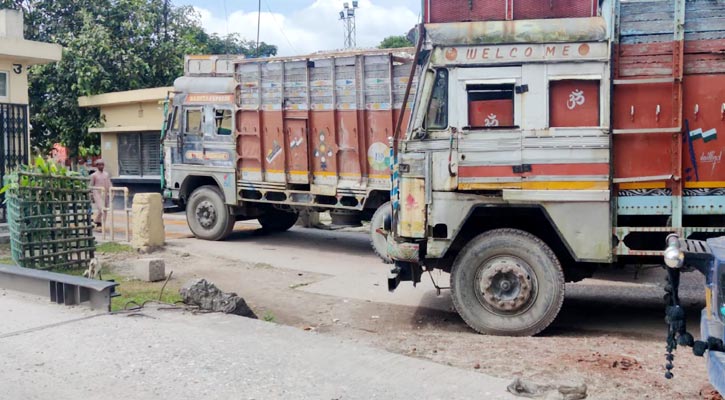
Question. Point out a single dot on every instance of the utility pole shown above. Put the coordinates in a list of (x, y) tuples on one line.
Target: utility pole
[(347, 16), (259, 18)]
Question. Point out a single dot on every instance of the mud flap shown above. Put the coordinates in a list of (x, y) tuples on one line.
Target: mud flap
[(404, 272)]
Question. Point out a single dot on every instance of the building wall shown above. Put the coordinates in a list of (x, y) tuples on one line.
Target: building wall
[(17, 83), (109, 152), (150, 114), (131, 117)]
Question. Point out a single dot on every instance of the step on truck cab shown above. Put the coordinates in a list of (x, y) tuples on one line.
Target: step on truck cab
[(549, 139), (270, 138)]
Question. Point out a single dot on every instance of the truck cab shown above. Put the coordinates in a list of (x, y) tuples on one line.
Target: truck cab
[(543, 146)]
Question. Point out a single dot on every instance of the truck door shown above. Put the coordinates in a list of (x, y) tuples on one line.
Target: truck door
[(192, 135), (219, 143), (489, 117)]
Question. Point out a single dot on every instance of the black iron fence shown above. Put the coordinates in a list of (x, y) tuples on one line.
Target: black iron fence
[(14, 142)]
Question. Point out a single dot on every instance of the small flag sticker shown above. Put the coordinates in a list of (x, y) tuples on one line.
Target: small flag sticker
[(696, 134), (709, 135)]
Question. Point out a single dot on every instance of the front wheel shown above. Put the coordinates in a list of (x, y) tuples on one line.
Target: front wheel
[(207, 215), (276, 220), (378, 240), (507, 282)]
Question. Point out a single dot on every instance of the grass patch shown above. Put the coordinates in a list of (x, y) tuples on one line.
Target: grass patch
[(6, 254), (113, 248), (133, 290), (268, 316), (139, 291)]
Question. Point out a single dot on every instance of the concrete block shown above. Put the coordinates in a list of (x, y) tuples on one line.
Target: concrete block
[(150, 269), (147, 221)]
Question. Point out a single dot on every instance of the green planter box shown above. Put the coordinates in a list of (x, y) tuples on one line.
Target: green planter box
[(49, 217)]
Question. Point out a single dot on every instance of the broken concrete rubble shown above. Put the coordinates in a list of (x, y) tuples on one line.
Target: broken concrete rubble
[(207, 296)]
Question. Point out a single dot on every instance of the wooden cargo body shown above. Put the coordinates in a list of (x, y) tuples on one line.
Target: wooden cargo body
[(315, 130)]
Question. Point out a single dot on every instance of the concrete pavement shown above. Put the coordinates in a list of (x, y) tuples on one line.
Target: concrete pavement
[(50, 351)]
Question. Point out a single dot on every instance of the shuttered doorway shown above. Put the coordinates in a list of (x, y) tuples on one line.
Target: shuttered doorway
[(139, 154)]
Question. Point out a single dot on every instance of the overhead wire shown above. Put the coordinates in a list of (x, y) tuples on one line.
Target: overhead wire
[(266, 3)]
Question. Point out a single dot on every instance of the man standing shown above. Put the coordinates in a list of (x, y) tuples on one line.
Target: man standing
[(101, 184)]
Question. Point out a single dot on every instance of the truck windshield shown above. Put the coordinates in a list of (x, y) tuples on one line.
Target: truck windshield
[(437, 116)]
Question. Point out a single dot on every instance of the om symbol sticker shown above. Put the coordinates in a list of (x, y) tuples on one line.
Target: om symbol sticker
[(576, 98), (491, 120)]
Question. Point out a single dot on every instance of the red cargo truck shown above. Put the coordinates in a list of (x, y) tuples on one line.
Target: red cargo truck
[(552, 138), (269, 138)]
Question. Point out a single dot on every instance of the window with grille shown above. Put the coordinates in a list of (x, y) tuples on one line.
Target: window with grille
[(139, 154), (3, 84)]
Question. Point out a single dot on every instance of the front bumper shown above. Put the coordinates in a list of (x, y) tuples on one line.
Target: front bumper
[(403, 251), (407, 262)]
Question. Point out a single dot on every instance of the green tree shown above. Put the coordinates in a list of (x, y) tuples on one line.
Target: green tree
[(109, 45), (394, 42)]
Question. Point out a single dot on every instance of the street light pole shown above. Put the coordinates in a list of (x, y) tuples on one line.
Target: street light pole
[(347, 16)]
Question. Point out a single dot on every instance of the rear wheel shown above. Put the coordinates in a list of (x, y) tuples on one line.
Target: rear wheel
[(507, 282), (379, 241), (207, 215), (276, 220)]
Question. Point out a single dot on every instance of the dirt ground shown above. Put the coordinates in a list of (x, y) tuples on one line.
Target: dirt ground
[(620, 357)]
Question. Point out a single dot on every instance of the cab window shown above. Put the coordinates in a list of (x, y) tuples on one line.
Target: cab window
[(175, 120), (490, 106), (223, 121), (193, 121), (437, 116)]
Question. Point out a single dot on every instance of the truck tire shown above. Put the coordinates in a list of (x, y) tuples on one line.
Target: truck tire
[(207, 215), (507, 282), (378, 241), (277, 220)]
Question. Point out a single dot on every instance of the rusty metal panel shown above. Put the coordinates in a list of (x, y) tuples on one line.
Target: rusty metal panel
[(249, 145), (574, 103), (465, 10), (529, 31), (499, 10), (704, 109), (297, 163), (323, 148), (538, 9), (412, 215)]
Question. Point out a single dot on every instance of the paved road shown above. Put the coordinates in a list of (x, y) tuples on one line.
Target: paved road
[(615, 302), (51, 351)]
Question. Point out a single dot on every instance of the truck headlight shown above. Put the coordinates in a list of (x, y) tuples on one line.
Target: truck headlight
[(674, 257)]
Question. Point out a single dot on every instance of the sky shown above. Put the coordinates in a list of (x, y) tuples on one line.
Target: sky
[(306, 26)]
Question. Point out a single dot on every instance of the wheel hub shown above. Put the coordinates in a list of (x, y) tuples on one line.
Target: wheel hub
[(206, 214), (504, 284)]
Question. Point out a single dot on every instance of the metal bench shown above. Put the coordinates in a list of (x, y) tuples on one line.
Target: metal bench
[(61, 288)]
